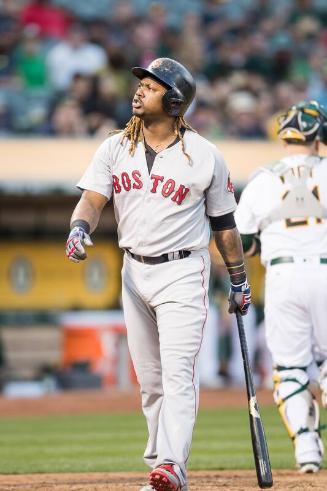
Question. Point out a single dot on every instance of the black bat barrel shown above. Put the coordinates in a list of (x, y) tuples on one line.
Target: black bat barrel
[(259, 442)]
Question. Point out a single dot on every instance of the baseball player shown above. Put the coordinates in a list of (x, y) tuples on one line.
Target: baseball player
[(286, 205), (168, 184)]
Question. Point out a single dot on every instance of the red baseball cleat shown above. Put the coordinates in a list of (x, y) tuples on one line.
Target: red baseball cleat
[(164, 478)]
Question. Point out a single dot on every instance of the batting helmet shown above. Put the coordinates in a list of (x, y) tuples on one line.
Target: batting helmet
[(176, 78), (304, 122)]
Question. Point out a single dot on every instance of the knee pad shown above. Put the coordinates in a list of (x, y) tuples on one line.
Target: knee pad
[(296, 404)]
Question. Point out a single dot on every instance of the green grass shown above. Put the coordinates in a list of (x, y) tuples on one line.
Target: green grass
[(114, 442)]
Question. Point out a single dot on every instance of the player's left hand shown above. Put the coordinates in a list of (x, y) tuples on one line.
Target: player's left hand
[(239, 298)]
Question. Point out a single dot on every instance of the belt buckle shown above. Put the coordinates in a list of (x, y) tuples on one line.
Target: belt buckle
[(142, 259), (307, 259)]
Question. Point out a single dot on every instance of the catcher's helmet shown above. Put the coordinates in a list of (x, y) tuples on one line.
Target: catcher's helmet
[(176, 78), (304, 122)]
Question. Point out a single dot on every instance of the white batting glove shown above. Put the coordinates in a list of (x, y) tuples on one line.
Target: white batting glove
[(75, 245)]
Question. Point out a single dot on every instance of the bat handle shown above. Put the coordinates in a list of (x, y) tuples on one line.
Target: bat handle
[(245, 355)]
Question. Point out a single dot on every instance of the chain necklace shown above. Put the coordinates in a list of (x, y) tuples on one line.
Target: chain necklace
[(162, 145)]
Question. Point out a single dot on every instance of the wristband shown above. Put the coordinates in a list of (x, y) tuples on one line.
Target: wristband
[(81, 224), (236, 272), (240, 287)]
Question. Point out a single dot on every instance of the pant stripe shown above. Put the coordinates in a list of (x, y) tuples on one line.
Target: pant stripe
[(202, 331)]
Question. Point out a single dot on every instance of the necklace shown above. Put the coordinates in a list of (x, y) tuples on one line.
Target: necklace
[(162, 145)]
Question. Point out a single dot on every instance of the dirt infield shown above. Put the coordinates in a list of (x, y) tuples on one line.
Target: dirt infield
[(198, 481), (112, 400)]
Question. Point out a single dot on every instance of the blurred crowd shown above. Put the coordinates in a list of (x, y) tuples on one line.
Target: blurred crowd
[(65, 64)]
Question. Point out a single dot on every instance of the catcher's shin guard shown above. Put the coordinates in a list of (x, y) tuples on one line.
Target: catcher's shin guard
[(323, 383), (299, 411)]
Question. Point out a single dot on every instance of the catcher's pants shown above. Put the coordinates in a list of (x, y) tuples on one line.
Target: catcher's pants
[(165, 309), (296, 312)]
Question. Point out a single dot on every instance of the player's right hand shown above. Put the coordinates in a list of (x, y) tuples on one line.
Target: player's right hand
[(75, 245)]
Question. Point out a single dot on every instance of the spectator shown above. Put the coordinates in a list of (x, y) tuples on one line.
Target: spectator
[(303, 8), (204, 119), (5, 117), (97, 100), (87, 10), (244, 121), (9, 39), (257, 60), (30, 61), (74, 55), (82, 91), (109, 103), (317, 88), (67, 120), (145, 40), (191, 49), (52, 21), (158, 17), (119, 71), (169, 42)]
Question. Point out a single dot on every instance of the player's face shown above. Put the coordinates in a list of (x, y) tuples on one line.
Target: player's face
[(147, 100)]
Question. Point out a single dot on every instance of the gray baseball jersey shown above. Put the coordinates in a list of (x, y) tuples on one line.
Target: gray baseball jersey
[(167, 210)]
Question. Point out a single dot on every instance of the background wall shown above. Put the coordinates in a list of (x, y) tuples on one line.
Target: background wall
[(45, 164)]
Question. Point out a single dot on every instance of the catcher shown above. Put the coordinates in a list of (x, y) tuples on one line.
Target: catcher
[(284, 207)]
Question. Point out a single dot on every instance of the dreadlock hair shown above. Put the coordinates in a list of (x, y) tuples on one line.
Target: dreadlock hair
[(133, 132)]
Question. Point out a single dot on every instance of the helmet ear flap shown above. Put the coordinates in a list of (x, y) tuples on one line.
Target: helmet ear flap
[(172, 102)]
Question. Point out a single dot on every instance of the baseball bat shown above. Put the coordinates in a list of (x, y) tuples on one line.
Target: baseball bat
[(259, 442)]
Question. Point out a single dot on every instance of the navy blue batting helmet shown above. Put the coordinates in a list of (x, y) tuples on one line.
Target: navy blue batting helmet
[(176, 78)]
